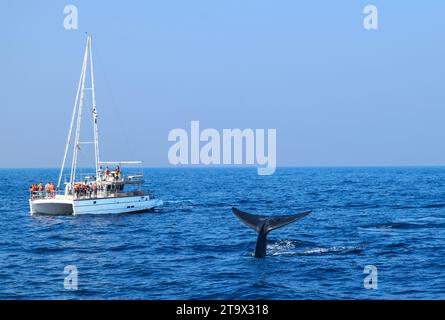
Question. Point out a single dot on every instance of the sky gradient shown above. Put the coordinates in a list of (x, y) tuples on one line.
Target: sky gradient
[(337, 94)]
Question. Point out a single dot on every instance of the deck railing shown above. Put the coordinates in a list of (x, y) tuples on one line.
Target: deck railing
[(45, 194), (111, 177), (106, 187), (36, 195)]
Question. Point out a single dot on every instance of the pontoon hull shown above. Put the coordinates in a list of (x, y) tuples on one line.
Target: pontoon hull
[(51, 207)]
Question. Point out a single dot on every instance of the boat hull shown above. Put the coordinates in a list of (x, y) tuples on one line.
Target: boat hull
[(96, 206), (51, 207), (115, 205)]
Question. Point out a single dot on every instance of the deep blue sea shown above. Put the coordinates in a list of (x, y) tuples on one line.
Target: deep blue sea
[(195, 248)]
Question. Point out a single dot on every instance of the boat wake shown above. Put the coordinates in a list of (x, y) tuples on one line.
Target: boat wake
[(178, 201), (425, 223), (303, 248)]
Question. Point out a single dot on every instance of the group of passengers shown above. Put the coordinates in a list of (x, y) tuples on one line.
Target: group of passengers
[(84, 190), (80, 190), (104, 174), (36, 190)]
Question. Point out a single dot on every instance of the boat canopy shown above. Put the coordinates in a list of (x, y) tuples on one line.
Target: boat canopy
[(119, 162)]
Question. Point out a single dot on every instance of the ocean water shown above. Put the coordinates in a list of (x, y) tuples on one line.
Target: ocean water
[(195, 248)]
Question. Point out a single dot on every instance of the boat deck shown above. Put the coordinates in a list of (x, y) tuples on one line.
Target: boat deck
[(92, 196)]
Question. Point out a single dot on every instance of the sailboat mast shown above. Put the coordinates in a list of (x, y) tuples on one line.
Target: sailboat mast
[(78, 108), (79, 115), (93, 96), (73, 116)]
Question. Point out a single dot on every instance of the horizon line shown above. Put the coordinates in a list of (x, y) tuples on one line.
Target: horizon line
[(200, 166)]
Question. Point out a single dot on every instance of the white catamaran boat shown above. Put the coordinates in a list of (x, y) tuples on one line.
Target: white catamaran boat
[(103, 192)]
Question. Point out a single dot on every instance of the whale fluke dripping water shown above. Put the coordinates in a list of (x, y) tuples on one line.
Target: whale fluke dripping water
[(264, 224)]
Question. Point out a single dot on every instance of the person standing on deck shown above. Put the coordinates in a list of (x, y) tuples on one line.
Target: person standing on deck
[(40, 188), (53, 190), (94, 190), (48, 190), (76, 191), (118, 172), (32, 190), (99, 173)]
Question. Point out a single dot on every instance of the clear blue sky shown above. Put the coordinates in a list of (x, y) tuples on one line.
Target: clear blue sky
[(336, 93)]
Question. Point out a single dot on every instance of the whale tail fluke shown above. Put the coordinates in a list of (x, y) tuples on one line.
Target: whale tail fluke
[(264, 224)]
